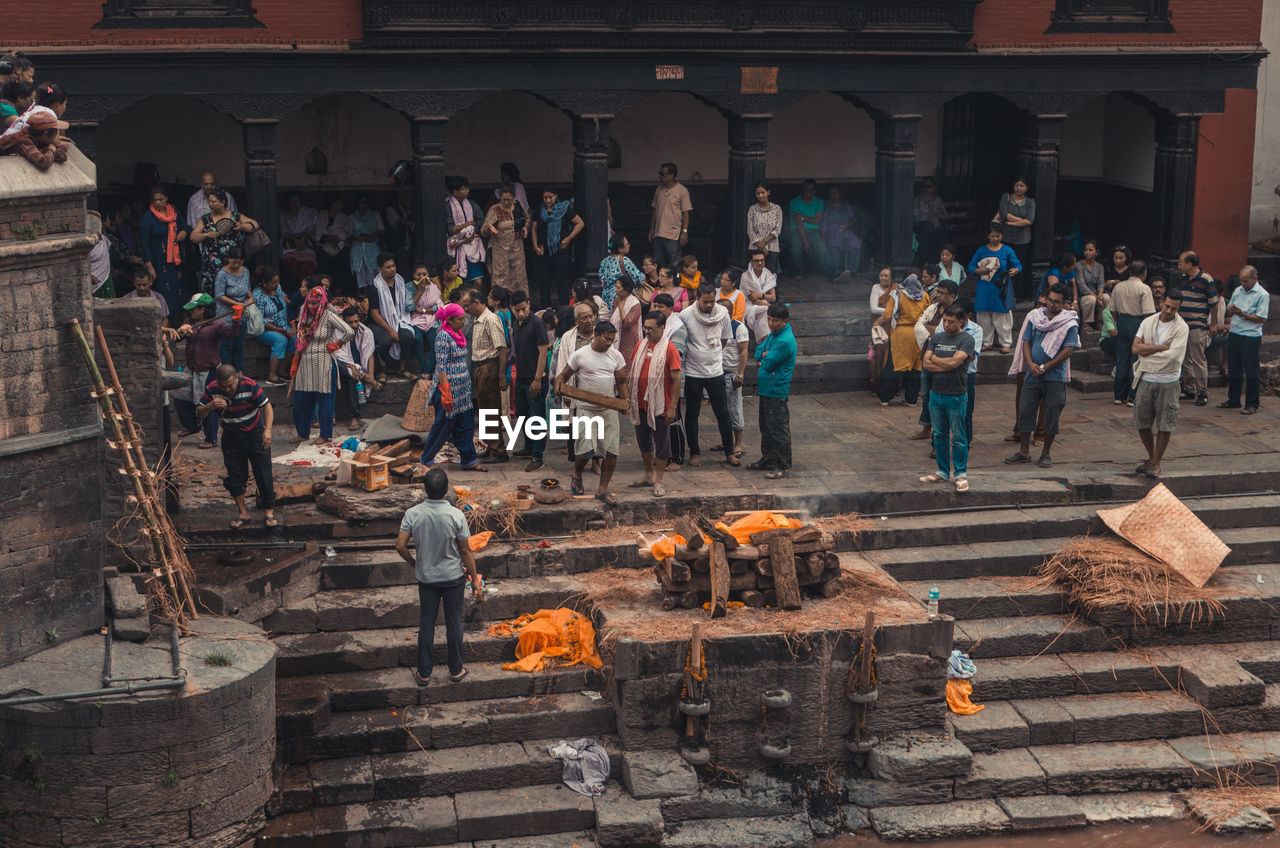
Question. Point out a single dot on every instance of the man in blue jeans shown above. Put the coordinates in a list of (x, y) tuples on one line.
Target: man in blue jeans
[(442, 539), (946, 357), (1248, 310)]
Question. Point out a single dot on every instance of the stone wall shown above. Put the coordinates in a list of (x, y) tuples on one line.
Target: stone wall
[(50, 454), (812, 667), (132, 330), (154, 770)]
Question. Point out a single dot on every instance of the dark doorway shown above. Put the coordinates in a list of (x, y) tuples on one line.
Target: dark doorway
[(979, 156)]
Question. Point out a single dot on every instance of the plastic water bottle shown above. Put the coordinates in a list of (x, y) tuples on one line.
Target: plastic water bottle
[(933, 602), (361, 397)]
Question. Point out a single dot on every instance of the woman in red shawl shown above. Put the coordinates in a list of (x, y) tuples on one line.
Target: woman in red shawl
[(163, 230)]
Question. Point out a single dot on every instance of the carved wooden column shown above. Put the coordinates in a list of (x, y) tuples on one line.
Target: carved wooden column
[(1038, 146), (748, 144), (261, 202), (895, 187), (429, 189), (1174, 189), (591, 188)]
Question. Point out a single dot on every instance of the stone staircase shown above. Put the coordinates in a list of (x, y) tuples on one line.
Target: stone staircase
[(1081, 706), (371, 758)]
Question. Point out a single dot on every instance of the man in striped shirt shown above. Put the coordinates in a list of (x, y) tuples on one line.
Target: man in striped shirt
[(1199, 299), (246, 438)]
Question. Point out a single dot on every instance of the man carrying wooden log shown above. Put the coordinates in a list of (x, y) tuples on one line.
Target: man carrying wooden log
[(601, 370)]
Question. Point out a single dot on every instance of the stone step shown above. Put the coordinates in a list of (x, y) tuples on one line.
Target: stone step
[(453, 724), (1015, 524), (990, 597), (330, 653), (395, 687), (345, 610), (425, 774), (1030, 636), (489, 814), (772, 832), (822, 373)]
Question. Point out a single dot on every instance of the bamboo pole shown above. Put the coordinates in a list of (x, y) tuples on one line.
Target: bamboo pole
[(153, 529)]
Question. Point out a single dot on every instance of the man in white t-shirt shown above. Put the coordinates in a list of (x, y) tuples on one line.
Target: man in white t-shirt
[(599, 368), (1160, 346), (709, 329), (735, 366), (760, 285)]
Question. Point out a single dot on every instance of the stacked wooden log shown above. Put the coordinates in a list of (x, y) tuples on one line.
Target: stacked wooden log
[(771, 571)]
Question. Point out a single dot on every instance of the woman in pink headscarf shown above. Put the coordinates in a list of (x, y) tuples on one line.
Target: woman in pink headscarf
[(315, 375), (451, 393)]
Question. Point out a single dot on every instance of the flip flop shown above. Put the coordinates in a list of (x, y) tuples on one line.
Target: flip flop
[(659, 490), (608, 499), (695, 461), (420, 680), (1142, 469), (639, 484), (458, 677), (207, 445), (476, 467), (733, 460), (776, 474), (238, 523), (272, 522), (575, 486), (962, 484), (933, 478), (1249, 410)]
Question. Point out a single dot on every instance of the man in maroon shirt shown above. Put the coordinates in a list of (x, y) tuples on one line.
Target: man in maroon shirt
[(203, 340)]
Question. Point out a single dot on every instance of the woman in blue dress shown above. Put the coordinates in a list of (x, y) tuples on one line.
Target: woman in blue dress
[(993, 300)]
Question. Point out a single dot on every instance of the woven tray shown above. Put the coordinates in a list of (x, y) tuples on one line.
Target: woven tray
[(1161, 526)]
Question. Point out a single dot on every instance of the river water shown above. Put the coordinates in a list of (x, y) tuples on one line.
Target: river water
[(1165, 834)]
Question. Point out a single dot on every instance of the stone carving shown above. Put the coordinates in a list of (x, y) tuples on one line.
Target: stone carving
[(255, 106), (439, 103)]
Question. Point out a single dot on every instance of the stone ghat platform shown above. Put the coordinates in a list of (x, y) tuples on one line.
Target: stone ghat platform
[(1080, 713)]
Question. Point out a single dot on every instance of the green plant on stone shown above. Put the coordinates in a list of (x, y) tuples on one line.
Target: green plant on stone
[(28, 232), (171, 779), (32, 755), (217, 659), (51, 634)]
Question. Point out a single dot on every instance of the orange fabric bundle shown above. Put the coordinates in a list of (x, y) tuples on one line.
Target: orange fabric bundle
[(959, 691), (757, 522), (666, 546), (479, 540), (550, 634)]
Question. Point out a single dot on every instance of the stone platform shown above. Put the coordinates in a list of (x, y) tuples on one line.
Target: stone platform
[(190, 767)]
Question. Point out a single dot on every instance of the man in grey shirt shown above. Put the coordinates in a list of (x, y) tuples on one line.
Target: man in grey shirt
[(442, 541)]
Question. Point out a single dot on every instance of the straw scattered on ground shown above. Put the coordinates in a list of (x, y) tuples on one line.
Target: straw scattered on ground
[(1215, 806), (845, 522), (503, 518), (1102, 574)]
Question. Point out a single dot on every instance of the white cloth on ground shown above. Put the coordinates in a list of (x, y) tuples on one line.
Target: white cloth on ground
[(586, 765)]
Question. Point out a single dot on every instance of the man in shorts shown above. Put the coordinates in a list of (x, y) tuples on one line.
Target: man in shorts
[(1160, 346), (600, 368), (1049, 337)]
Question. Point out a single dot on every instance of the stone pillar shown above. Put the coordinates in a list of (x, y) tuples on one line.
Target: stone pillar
[(84, 134), (1038, 146), (260, 202), (429, 189), (1174, 189), (591, 188), (895, 186), (748, 142)]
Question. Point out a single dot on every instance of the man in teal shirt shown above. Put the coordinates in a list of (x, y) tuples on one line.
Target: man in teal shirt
[(776, 356), (807, 251)]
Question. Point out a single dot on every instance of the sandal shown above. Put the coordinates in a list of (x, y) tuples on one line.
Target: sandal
[(639, 484), (576, 487), (1226, 404), (208, 445), (933, 478), (732, 459), (458, 677), (659, 490), (238, 523), (758, 465), (1249, 410), (272, 522), (608, 499), (1142, 469), (962, 484), (695, 461), (420, 680), (776, 474)]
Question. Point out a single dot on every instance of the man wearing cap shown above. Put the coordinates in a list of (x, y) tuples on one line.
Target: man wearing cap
[(40, 142), (203, 340), (246, 438)]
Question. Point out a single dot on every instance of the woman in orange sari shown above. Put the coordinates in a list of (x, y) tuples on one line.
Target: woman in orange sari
[(906, 304)]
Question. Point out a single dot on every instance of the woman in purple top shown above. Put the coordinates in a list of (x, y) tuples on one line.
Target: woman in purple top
[(843, 244)]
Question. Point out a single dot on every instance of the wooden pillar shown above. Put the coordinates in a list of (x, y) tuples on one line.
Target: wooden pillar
[(1174, 190), (1038, 146), (591, 189), (429, 189), (895, 187), (261, 202), (748, 143)]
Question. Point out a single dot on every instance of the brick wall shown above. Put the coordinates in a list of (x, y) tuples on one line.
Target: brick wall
[(132, 329), (50, 450), (1022, 23), (285, 22)]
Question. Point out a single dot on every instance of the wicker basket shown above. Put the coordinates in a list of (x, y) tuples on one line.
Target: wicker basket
[(418, 413)]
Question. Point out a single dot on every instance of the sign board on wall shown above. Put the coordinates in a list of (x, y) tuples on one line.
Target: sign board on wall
[(759, 81), (669, 72)]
